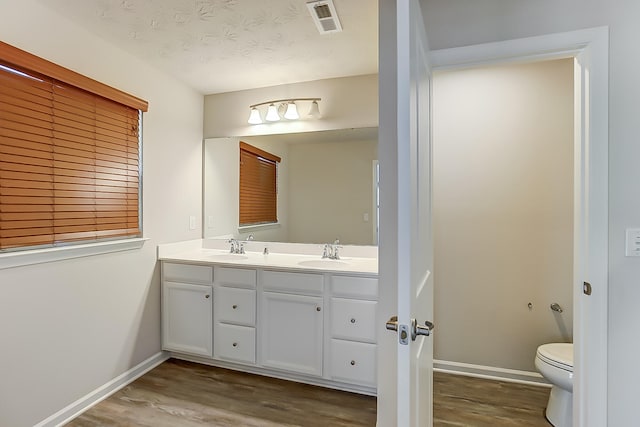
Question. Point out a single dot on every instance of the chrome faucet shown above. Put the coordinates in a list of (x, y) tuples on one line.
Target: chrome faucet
[(331, 250), (236, 247)]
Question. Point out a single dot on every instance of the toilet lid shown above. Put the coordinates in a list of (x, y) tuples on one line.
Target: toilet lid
[(557, 354)]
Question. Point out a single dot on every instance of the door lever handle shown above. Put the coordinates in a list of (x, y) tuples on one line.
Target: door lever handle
[(418, 329), (392, 323)]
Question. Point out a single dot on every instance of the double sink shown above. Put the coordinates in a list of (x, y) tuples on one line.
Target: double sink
[(283, 260)]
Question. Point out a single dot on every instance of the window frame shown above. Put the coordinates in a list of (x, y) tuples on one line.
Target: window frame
[(15, 58)]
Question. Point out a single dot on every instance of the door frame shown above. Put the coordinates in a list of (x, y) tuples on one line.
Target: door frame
[(589, 48)]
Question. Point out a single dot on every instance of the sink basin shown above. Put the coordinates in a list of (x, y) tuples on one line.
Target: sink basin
[(323, 263), (228, 257)]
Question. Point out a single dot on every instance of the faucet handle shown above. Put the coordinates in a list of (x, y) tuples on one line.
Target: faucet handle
[(326, 252), (240, 247)]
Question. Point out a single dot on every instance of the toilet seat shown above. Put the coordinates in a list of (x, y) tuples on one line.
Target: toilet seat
[(559, 355)]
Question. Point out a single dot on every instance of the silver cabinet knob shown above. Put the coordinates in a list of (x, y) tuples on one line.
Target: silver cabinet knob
[(235, 344), (234, 306), (353, 320), (318, 309), (207, 296), (353, 363)]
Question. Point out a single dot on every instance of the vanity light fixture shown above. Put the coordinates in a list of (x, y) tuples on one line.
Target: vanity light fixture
[(277, 107), (272, 113), (292, 111), (254, 117)]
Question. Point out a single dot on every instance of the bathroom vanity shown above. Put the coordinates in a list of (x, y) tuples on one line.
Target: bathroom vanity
[(287, 314)]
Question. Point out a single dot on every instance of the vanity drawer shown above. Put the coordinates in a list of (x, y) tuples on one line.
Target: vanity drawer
[(234, 343), (293, 283), (353, 319), (187, 273), (353, 362), (235, 276), (235, 305), (354, 287)]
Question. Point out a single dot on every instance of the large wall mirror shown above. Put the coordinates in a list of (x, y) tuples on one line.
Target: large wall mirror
[(327, 187)]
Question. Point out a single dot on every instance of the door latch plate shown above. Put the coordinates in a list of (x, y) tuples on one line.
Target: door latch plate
[(403, 334)]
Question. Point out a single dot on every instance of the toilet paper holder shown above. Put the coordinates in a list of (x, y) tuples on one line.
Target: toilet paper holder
[(556, 307)]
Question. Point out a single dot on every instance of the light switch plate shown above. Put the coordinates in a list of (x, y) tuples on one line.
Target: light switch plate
[(632, 244)]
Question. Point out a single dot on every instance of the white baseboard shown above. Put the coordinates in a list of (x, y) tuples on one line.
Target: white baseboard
[(490, 372), (76, 408)]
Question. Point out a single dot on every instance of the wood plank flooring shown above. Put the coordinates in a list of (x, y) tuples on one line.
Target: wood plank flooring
[(179, 393)]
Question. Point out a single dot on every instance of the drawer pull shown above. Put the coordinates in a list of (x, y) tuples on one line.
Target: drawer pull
[(235, 306), (353, 320), (353, 363), (207, 296), (235, 344), (318, 308)]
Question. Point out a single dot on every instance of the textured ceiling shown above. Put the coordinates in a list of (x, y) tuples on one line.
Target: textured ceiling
[(225, 45)]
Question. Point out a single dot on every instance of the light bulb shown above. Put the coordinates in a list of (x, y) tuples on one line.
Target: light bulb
[(272, 114), (292, 111), (314, 111), (254, 117)]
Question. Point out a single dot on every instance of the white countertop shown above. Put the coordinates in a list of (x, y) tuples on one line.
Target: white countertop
[(192, 252)]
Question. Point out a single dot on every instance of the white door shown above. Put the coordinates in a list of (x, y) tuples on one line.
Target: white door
[(410, 264)]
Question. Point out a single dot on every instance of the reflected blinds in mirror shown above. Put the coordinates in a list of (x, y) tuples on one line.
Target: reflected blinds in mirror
[(69, 166), (258, 186)]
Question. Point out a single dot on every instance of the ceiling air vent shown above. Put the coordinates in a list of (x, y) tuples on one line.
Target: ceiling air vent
[(325, 16)]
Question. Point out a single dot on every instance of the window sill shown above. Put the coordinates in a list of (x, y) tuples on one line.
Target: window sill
[(39, 256), (258, 227)]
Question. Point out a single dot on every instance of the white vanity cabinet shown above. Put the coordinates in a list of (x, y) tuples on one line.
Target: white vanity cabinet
[(187, 308), (235, 315), (308, 325), (353, 330), (292, 322)]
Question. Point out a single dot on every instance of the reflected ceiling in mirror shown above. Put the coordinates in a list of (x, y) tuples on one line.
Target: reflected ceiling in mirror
[(327, 187)]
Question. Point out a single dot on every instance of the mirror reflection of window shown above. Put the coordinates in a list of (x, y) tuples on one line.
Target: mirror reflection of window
[(326, 187), (258, 186)]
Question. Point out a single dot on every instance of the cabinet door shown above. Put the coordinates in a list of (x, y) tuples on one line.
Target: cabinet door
[(187, 318), (291, 332)]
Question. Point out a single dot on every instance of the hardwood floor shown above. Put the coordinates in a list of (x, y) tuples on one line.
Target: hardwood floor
[(179, 393), (466, 401)]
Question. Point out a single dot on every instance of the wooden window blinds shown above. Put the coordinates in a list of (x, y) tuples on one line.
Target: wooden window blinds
[(69, 156), (258, 186)]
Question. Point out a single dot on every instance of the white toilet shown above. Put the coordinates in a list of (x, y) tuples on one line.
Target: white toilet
[(555, 363)]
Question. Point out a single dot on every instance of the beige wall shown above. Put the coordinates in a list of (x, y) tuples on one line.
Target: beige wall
[(503, 211), (347, 102), (69, 327), (460, 23), (332, 184)]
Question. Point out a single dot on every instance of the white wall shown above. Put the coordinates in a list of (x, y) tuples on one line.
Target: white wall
[(503, 211), (347, 102), (460, 23), (68, 327), (330, 191)]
